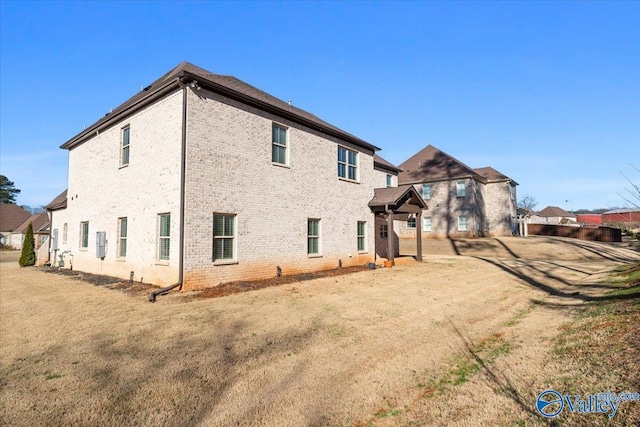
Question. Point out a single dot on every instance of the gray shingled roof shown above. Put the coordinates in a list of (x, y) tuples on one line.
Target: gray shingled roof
[(226, 85), (395, 195), (385, 164), (39, 221)]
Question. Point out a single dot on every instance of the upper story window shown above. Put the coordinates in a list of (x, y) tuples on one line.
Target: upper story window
[(347, 164), (279, 145), (125, 141), (461, 189), (389, 181), (426, 191)]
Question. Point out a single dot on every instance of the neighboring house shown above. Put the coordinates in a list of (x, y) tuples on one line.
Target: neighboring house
[(202, 179), (555, 216), (40, 224), (622, 216), (11, 217), (462, 202)]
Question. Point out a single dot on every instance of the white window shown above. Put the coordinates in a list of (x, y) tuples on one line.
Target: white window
[(362, 240), (426, 223), (84, 234), (124, 146), (313, 236), (462, 223), (384, 231), (64, 233), (224, 237), (411, 223), (389, 182), (164, 236), (279, 146), (122, 237), (347, 164), (461, 189), (426, 191)]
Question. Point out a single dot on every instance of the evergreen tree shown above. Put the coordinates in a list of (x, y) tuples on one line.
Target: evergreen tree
[(8, 191), (28, 256)]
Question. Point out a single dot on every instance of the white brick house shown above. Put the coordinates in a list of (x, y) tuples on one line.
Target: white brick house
[(202, 179), (462, 202)]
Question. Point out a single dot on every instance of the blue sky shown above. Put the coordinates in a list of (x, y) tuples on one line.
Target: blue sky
[(548, 93)]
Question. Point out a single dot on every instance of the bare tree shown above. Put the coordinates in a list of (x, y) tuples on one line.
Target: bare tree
[(633, 198), (527, 202)]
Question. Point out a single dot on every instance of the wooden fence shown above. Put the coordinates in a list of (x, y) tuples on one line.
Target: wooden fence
[(600, 234)]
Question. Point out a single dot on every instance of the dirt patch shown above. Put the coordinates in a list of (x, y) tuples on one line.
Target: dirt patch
[(231, 288), (108, 282)]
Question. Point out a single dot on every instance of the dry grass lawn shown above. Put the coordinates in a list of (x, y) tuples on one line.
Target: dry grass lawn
[(460, 339)]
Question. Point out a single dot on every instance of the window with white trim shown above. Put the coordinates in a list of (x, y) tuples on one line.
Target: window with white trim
[(426, 191), (389, 180), (411, 222), (462, 223), (426, 223), (84, 234), (125, 141), (461, 188), (362, 236), (122, 238), (224, 237), (164, 236), (279, 144), (347, 164), (313, 236)]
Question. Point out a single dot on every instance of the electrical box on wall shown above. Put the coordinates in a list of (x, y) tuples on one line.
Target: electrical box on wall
[(54, 239), (101, 244)]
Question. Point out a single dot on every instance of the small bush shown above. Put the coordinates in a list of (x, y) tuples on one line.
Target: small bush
[(28, 256)]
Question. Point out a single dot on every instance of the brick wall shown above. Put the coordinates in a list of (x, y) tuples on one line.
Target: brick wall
[(229, 170), (500, 208), (100, 191)]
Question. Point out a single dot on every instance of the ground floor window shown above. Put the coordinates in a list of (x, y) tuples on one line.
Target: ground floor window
[(411, 223), (426, 223), (84, 234), (462, 223), (122, 237), (164, 236), (224, 237), (313, 236), (362, 241)]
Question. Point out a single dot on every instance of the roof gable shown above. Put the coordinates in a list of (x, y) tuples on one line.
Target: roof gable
[(395, 197), (11, 216), (432, 164), (39, 221), (554, 211), (60, 202), (492, 175)]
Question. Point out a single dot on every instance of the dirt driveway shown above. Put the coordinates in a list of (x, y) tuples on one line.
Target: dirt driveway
[(360, 349)]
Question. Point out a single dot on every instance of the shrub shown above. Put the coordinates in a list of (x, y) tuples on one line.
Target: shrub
[(28, 256)]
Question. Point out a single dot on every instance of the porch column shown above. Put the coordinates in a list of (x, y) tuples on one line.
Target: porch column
[(391, 250), (419, 236)]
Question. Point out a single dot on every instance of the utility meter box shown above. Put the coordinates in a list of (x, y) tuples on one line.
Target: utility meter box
[(54, 240), (101, 244)]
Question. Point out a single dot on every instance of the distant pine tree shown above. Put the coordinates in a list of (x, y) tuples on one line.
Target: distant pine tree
[(28, 256)]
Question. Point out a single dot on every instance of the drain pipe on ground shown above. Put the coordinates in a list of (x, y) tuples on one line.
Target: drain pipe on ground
[(182, 82)]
